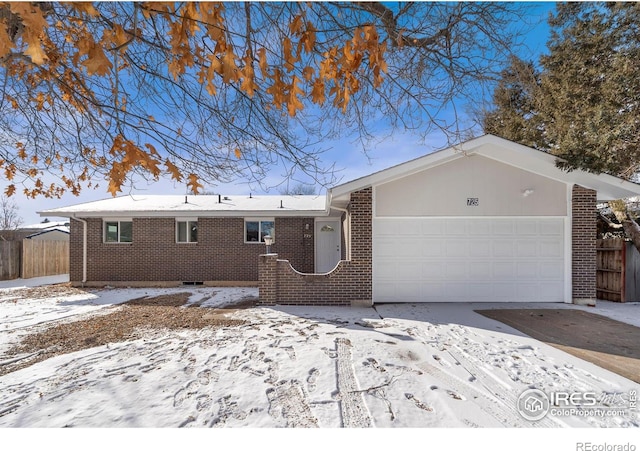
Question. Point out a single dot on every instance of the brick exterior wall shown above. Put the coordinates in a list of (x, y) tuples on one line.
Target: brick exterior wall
[(584, 234), (154, 256), (349, 284)]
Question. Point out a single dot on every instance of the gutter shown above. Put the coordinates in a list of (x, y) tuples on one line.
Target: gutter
[(84, 248)]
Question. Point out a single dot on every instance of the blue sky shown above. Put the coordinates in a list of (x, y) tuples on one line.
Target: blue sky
[(349, 159)]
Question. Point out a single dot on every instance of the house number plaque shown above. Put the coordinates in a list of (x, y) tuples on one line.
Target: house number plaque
[(473, 201)]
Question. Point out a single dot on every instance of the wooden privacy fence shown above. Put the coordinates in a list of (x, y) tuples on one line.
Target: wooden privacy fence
[(618, 263), (10, 252), (33, 258), (44, 258)]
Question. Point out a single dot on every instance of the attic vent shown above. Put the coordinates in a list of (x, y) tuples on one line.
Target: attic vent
[(226, 198), (192, 283)]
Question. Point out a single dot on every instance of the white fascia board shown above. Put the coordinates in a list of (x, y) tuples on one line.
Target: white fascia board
[(396, 172), (182, 214)]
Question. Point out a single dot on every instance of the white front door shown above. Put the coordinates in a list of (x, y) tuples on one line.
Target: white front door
[(328, 250)]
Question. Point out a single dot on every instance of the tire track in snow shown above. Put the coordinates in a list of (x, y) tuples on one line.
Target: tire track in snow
[(352, 406), (502, 394)]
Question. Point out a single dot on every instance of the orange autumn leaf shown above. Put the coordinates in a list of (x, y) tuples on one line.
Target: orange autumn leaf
[(262, 61), (194, 183), (5, 41), (97, 62), (293, 101), (296, 24), (229, 72), (318, 92), (85, 7), (173, 170), (248, 84), (277, 89), (33, 30), (289, 58)]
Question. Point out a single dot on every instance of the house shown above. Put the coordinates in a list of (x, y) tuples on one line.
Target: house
[(51, 234), (40, 230), (486, 220), (171, 240)]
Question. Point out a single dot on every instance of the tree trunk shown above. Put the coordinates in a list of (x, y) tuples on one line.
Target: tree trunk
[(631, 228)]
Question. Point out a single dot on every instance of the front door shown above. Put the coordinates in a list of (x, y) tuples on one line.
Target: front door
[(328, 250)]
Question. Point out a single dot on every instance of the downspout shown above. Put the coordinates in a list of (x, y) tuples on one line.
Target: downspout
[(348, 237), (84, 249)]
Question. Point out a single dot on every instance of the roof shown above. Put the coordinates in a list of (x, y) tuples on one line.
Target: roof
[(526, 158), (55, 229), (46, 225), (194, 206)]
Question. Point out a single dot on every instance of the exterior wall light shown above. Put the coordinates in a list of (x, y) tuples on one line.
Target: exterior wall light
[(268, 240)]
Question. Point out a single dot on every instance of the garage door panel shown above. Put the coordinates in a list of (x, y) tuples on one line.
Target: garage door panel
[(503, 228), (550, 227), (455, 270), (481, 227), (551, 248), (527, 270), (502, 270), (431, 228), (480, 249), (551, 269), (455, 227), (431, 247), (432, 270), (406, 247), (406, 228), (479, 271), (527, 248), (385, 271), (505, 292), (526, 228), (468, 259), (457, 248), (503, 248)]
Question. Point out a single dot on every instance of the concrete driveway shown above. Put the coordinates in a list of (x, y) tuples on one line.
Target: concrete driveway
[(608, 343)]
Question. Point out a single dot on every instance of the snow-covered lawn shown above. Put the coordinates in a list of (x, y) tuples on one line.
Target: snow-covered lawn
[(405, 365)]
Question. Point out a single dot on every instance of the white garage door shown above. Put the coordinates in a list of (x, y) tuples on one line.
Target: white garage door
[(468, 259)]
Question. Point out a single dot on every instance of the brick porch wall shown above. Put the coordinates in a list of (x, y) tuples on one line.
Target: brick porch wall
[(349, 284), (219, 255), (584, 234)]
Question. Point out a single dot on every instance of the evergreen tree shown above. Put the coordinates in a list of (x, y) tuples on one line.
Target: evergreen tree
[(583, 104)]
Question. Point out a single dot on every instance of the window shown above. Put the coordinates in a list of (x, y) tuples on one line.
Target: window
[(187, 231), (256, 230), (118, 231)]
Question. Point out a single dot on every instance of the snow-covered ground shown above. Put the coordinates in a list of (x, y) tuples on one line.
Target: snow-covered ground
[(34, 282), (392, 366)]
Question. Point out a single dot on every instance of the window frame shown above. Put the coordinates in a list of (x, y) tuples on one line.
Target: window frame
[(187, 221), (118, 221), (259, 221)]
